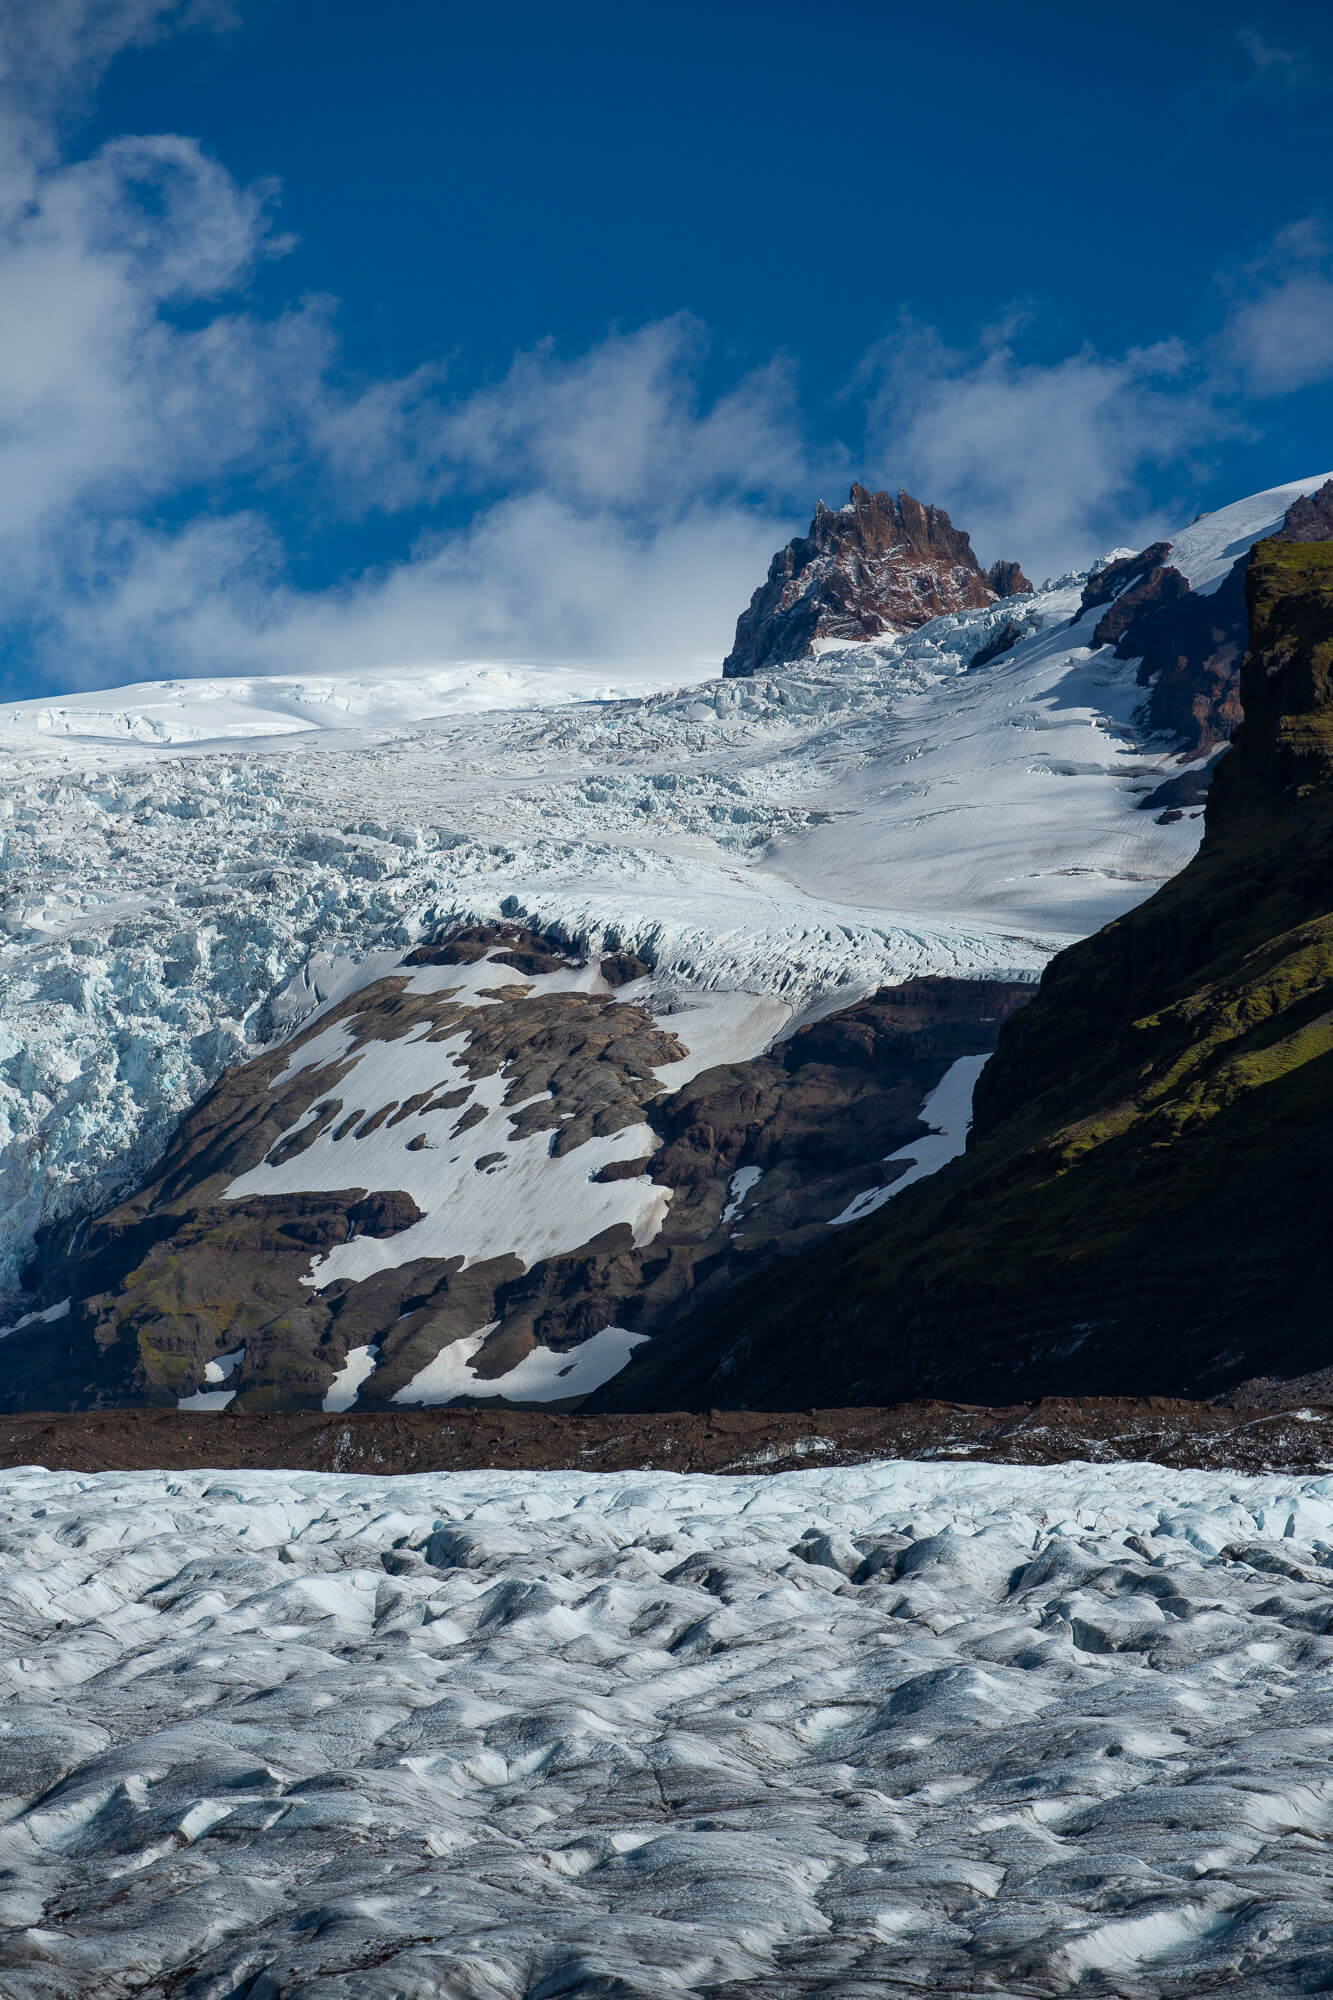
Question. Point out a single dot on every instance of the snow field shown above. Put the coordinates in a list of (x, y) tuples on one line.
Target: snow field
[(506, 1736), (451, 1161)]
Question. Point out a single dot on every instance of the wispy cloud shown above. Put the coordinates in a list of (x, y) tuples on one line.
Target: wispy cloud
[(1053, 461), (1044, 461), (1269, 58), (1279, 335)]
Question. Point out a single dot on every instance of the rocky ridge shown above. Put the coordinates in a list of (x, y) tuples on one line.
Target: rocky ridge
[(876, 566), (488, 1174)]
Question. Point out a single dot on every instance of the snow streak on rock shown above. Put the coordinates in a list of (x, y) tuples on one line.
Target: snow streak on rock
[(899, 1728)]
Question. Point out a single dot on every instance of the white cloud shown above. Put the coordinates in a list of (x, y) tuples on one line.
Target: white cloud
[(1279, 336), (59, 48), (615, 504), (1043, 462), (622, 426), (1052, 462), (533, 577), (100, 395)]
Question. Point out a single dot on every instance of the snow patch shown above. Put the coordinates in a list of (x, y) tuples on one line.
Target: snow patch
[(46, 1318), (742, 1182), (484, 1192), (347, 1384), (544, 1375), (210, 1397), (948, 1111)]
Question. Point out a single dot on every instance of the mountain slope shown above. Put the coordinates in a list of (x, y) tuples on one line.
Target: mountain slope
[(491, 1173), (1141, 1196)]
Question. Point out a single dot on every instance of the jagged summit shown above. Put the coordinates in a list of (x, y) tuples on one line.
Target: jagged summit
[(877, 565)]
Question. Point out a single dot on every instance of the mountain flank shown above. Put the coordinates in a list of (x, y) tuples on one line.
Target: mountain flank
[(467, 1181), (1141, 1204)]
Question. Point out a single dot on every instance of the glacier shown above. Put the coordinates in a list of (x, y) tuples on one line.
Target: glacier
[(846, 1732), (189, 869)]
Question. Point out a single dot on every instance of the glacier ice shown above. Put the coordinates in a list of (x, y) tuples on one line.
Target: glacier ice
[(898, 1727)]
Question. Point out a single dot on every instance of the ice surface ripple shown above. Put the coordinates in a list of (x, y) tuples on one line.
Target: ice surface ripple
[(861, 1732)]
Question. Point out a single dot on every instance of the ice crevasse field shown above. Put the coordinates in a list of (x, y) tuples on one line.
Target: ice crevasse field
[(514, 1736)]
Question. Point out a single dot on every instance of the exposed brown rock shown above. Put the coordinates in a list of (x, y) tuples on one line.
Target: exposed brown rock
[(1114, 578), (622, 968), (1278, 1438), (179, 1274), (1006, 579), (876, 565), (1310, 519)]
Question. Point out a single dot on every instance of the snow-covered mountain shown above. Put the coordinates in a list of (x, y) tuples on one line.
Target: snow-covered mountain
[(195, 873)]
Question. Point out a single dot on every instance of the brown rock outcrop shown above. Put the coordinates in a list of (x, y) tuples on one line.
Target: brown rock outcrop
[(877, 565)]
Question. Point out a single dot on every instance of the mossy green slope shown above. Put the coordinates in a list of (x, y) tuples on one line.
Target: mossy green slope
[(1143, 1202)]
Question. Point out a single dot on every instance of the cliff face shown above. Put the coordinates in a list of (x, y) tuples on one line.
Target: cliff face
[(1142, 1200), (876, 565), (1189, 645)]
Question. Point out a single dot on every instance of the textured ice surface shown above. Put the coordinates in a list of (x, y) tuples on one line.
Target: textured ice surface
[(901, 1728), (179, 885)]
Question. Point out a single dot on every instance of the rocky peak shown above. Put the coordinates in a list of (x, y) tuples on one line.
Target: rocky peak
[(880, 564), (1310, 519)]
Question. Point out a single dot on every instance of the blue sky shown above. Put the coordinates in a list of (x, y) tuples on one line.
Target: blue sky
[(335, 335)]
